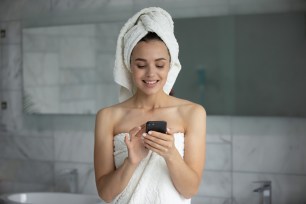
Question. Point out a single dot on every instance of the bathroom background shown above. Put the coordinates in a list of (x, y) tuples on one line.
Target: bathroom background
[(245, 142)]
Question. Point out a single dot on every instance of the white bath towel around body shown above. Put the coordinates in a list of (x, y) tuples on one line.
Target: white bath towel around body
[(151, 182)]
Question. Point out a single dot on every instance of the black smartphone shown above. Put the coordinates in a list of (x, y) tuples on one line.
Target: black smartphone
[(158, 126)]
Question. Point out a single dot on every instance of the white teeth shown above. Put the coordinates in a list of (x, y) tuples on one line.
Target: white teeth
[(150, 82)]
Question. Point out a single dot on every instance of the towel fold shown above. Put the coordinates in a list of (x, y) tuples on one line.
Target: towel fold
[(151, 19)]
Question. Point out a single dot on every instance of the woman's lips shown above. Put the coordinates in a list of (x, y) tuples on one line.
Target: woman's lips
[(150, 83)]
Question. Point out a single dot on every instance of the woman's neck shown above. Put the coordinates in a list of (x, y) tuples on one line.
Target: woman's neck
[(150, 102)]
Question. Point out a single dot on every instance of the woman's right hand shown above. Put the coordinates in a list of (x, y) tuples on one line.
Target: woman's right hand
[(136, 149)]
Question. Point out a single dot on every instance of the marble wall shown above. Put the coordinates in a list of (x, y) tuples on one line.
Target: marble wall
[(68, 69), (36, 149), (241, 150)]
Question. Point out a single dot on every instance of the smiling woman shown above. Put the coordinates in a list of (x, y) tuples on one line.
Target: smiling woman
[(150, 62), (135, 166)]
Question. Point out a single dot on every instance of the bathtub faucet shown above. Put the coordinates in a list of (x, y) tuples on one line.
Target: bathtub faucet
[(70, 176), (265, 189)]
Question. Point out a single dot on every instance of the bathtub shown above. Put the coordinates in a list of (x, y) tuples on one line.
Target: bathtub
[(49, 198)]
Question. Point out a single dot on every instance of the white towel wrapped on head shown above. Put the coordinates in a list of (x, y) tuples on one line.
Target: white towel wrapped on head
[(147, 20)]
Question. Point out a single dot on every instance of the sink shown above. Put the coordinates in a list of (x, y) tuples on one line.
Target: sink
[(50, 198)]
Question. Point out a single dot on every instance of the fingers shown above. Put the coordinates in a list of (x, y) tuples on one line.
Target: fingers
[(169, 131), (161, 145), (133, 132), (143, 126), (159, 142), (161, 136), (127, 139)]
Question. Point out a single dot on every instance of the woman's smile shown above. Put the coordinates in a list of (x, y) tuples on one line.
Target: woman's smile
[(150, 83), (150, 63)]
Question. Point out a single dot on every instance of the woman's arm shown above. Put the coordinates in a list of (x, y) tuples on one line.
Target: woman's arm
[(110, 181), (186, 173)]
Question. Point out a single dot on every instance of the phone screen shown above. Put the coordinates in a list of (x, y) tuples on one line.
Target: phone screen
[(158, 126)]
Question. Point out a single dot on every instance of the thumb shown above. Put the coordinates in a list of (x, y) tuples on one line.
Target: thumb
[(127, 139), (169, 131)]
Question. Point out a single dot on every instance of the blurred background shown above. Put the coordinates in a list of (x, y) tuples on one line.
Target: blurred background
[(243, 60)]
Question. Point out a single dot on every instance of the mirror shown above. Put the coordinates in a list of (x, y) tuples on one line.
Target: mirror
[(68, 69), (233, 65), (245, 64)]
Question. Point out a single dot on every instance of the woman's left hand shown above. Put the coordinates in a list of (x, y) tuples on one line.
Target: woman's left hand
[(161, 143)]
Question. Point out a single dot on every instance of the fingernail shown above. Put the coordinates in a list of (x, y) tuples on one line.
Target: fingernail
[(144, 134), (150, 132)]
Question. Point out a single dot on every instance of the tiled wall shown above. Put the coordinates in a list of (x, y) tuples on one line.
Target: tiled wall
[(67, 68), (35, 149), (242, 150)]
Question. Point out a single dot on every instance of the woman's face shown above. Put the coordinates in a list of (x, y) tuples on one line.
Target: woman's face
[(150, 63)]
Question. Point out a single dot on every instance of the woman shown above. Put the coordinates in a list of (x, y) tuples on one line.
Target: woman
[(132, 166)]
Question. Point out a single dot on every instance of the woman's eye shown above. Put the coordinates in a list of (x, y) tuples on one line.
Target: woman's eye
[(140, 66), (160, 66)]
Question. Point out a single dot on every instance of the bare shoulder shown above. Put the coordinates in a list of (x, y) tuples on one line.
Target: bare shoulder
[(189, 109), (107, 117), (192, 114), (110, 112)]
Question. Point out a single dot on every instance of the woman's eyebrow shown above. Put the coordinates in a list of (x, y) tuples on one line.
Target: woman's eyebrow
[(140, 59), (160, 59), (144, 60)]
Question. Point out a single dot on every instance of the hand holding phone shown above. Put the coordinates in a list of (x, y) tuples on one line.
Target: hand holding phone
[(158, 126)]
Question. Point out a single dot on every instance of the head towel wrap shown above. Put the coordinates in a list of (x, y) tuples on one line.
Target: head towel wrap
[(152, 19)]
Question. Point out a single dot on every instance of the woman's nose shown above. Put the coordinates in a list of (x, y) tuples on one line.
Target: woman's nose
[(150, 71)]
